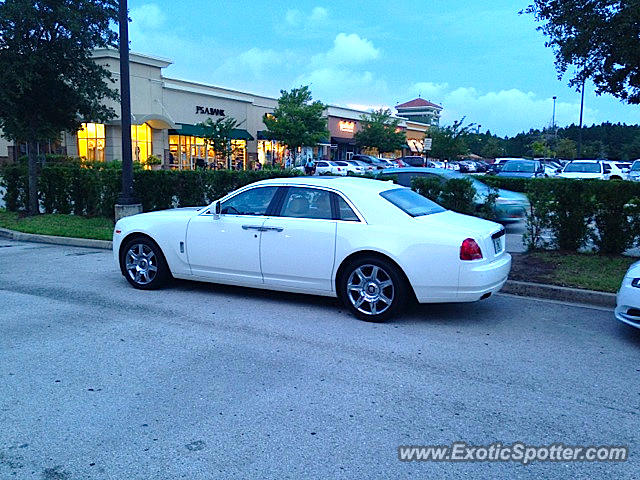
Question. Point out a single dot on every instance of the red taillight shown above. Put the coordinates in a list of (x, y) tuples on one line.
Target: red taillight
[(469, 250), (118, 231)]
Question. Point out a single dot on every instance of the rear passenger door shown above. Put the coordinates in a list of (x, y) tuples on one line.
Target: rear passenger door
[(297, 249)]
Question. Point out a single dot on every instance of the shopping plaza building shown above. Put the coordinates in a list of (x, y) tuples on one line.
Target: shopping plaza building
[(166, 113)]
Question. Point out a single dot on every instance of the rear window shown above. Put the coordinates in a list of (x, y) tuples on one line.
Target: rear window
[(411, 203), (519, 167), (582, 168)]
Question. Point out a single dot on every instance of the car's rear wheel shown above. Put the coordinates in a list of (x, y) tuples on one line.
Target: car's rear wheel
[(143, 264), (373, 289)]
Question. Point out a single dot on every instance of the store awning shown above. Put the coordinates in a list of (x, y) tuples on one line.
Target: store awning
[(343, 141), (198, 131), (156, 121)]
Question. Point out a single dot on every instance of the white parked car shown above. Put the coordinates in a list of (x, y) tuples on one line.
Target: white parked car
[(352, 168), (371, 243), (591, 169), (617, 170), (628, 303), (634, 171), (325, 167)]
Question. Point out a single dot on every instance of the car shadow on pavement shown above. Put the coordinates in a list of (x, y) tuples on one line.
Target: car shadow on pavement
[(453, 313)]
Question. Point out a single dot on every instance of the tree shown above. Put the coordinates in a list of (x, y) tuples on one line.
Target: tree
[(297, 121), (449, 142), (540, 149), (380, 130), (566, 149), (48, 81), (217, 133), (598, 38), (492, 148)]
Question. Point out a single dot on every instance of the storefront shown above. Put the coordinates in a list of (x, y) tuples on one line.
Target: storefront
[(166, 113)]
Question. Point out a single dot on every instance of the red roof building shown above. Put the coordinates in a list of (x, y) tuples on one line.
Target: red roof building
[(420, 110)]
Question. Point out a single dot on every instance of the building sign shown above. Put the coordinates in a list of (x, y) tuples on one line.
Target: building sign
[(345, 126), (215, 112), (428, 142)]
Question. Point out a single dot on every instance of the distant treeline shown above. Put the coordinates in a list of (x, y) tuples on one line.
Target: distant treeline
[(608, 140)]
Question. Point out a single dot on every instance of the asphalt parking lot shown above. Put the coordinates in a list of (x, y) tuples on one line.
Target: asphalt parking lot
[(202, 381)]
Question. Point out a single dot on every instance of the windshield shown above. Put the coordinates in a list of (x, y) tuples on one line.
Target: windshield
[(411, 203), (636, 166), (582, 168), (480, 187), (521, 167)]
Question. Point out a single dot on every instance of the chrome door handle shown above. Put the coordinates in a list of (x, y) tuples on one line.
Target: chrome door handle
[(252, 227), (275, 229)]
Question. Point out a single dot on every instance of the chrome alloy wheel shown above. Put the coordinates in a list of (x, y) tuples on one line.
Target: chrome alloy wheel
[(370, 289), (141, 264)]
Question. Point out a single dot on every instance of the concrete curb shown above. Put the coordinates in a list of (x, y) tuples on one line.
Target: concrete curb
[(68, 241), (561, 294)]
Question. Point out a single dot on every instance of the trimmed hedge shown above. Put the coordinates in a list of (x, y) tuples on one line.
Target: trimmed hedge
[(93, 190)]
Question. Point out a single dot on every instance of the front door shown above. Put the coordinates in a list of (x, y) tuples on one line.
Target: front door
[(227, 248), (298, 245)]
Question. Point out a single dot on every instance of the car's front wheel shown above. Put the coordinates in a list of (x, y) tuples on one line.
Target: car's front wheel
[(373, 289), (143, 264)]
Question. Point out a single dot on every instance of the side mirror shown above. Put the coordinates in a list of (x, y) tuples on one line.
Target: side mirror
[(216, 210)]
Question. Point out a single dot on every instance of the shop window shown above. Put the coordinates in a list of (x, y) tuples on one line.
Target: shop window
[(91, 142), (141, 142)]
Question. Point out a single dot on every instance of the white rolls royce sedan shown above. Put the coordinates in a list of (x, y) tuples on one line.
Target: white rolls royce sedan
[(372, 243)]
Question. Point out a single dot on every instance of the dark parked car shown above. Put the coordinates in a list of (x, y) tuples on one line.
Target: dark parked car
[(522, 169), (413, 161), (378, 163)]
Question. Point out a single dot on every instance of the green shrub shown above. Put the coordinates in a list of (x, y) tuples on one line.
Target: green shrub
[(13, 178), (539, 215), (616, 209), (506, 183), (455, 194)]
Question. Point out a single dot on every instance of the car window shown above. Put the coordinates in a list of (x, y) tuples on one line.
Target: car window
[(410, 202), (636, 166), (302, 202), (345, 212), (250, 202), (323, 164), (342, 164), (582, 168), (607, 168), (519, 167)]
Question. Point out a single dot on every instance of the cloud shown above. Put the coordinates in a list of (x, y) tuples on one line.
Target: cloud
[(295, 17), (508, 111), (429, 90), (147, 16), (254, 61), (349, 50), (368, 107)]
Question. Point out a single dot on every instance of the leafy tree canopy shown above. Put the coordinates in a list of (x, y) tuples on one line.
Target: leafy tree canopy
[(600, 39), (218, 134), (49, 83), (449, 142), (297, 120), (380, 130)]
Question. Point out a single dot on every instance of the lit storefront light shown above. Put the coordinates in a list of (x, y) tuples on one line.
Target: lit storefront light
[(91, 141)]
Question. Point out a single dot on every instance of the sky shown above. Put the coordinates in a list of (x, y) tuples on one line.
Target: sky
[(478, 59)]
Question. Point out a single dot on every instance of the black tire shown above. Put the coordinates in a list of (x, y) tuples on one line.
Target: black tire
[(372, 291), (148, 257)]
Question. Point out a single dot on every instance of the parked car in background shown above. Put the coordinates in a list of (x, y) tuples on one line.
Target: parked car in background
[(521, 169), (366, 167), (628, 300), (438, 164), (373, 244), (352, 168), (467, 166), (617, 170), (584, 169), (413, 161), (510, 206), (494, 168), (634, 171), (325, 167), (377, 163)]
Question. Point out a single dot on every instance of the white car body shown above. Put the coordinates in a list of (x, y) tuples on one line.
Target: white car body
[(628, 301), (582, 167), (618, 170), (304, 254), (326, 167), (350, 167), (438, 164)]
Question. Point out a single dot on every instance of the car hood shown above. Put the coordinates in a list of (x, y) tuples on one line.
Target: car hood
[(516, 174), (634, 271), (171, 212), (580, 175)]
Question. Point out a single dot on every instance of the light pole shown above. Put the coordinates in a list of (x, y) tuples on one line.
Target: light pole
[(553, 121), (126, 204), (580, 126), (478, 129)]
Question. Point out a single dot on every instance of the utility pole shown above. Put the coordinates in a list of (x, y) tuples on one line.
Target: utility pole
[(553, 121), (478, 129), (127, 204), (580, 126)]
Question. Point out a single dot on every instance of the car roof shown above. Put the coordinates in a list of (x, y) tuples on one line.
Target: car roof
[(344, 184)]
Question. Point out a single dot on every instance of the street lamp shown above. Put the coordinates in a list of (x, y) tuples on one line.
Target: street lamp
[(126, 204), (580, 126), (553, 121)]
